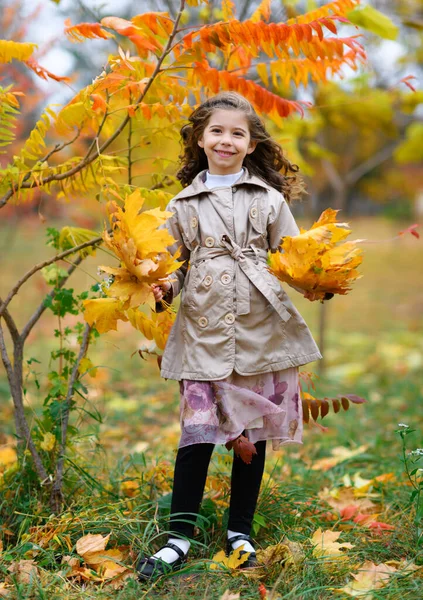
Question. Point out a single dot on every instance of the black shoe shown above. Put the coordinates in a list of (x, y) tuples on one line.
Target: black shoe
[(150, 568), (252, 558)]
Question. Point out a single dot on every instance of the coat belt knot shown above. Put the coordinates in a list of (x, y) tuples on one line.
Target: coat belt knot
[(246, 272)]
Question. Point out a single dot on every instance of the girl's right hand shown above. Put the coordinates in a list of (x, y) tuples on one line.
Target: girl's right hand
[(160, 289)]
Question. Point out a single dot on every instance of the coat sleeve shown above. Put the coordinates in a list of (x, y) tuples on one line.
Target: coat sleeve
[(177, 278), (281, 223)]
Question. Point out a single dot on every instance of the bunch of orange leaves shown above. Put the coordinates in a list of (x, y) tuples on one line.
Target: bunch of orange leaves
[(318, 261), (140, 241)]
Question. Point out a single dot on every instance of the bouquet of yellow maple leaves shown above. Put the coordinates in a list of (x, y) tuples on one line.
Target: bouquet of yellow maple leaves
[(315, 261), (141, 244)]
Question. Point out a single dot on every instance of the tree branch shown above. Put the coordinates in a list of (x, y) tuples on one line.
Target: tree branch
[(57, 148), (45, 263), (11, 325), (371, 163), (42, 307)]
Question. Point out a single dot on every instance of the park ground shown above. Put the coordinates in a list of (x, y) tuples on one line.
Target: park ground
[(348, 477)]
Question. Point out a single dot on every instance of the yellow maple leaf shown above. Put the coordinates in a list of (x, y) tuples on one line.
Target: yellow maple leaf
[(326, 545), (233, 561), (370, 577), (315, 261), (86, 365), (49, 442), (156, 328), (104, 313)]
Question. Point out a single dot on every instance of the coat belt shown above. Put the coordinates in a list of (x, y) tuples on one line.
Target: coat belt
[(246, 260)]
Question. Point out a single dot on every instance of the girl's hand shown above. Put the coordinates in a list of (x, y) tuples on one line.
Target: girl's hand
[(160, 289)]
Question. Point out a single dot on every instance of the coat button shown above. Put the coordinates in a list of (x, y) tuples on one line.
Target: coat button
[(225, 279), (194, 222), (229, 319), (208, 280), (253, 212), (203, 321), (209, 241)]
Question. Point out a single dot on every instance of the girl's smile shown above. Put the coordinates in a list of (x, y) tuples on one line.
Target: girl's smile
[(226, 141)]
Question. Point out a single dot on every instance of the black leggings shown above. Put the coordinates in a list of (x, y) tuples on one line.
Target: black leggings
[(191, 467)]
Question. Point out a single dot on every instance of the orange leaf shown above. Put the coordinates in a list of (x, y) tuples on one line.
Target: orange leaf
[(82, 31), (99, 102), (43, 72)]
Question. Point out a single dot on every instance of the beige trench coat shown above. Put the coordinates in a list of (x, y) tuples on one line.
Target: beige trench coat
[(234, 315)]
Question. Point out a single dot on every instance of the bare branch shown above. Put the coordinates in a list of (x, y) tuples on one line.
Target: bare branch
[(371, 163), (42, 307), (45, 263), (11, 325)]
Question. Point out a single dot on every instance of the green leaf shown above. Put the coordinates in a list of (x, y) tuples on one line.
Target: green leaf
[(371, 19), (52, 274)]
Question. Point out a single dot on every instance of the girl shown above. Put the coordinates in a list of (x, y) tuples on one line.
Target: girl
[(237, 341)]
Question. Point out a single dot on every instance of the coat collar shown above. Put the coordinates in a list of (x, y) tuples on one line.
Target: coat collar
[(197, 186)]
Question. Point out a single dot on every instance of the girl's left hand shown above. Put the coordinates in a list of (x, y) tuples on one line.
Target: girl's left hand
[(160, 289)]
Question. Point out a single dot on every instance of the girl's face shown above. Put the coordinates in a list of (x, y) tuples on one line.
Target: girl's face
[(226, 141)]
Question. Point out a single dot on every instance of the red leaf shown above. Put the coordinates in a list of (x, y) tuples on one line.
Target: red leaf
[(43, 72), (262, 591), (411, 229), (243, 448), (348, 512)]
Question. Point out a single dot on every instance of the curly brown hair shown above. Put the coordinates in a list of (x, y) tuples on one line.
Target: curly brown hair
[(267, 161)]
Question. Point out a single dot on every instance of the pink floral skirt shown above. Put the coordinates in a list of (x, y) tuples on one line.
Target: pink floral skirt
[(266, 406)]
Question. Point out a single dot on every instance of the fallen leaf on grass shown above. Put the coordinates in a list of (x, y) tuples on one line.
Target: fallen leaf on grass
[(103, 564), (326, 546), (362, 486), (106, 562), (370, 577), (339, 454), (287, 553), (91, 543), (262, 592), (229, 596), (5, 591), (24, 571), (233, 561), (343, 498)]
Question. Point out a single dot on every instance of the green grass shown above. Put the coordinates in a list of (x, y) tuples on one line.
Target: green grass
[(374, 348)]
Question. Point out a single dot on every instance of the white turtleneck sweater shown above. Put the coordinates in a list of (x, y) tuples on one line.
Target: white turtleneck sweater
[(214, 181)]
